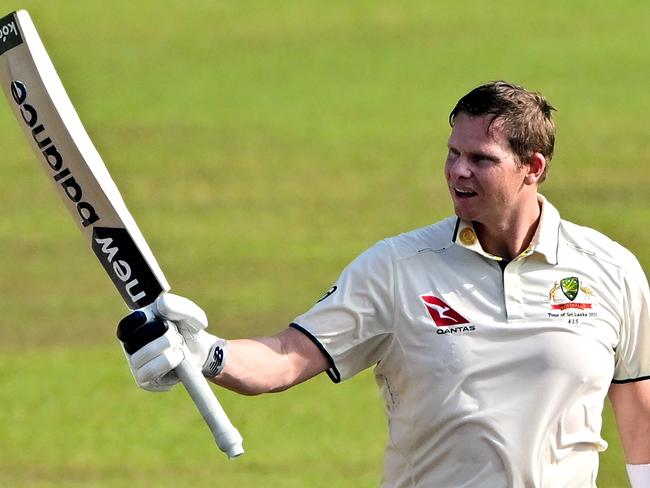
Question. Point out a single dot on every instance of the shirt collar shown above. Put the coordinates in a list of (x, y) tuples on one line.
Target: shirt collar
[(544, 242)]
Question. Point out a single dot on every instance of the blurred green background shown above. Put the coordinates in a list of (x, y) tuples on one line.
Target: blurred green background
[(261, 146)]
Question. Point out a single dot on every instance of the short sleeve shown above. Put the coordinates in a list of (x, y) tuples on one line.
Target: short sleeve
[(633, 349), (353, 323)]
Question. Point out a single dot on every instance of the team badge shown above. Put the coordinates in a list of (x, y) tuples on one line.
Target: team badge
[(570, 287), (574, 294)]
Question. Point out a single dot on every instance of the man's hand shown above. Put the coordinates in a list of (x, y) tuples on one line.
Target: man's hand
[(153, 338)]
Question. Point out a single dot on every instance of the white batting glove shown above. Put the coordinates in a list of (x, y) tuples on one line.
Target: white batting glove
[(156, 339)]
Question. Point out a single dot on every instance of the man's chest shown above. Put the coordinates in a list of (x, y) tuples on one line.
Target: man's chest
[(453, 315)]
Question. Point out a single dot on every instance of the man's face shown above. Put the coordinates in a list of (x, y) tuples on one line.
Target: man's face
[(485, 182)]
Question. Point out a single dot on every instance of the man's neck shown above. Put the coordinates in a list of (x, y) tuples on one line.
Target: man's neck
[(508, 239)]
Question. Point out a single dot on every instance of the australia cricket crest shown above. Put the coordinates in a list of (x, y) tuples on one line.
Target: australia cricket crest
[(573, 294), (570, 287)]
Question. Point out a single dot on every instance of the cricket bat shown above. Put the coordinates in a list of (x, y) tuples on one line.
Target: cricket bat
[(56, 134)]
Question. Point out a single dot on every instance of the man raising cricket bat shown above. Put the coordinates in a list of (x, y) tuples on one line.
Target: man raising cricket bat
[(54, 131), (495, 334)]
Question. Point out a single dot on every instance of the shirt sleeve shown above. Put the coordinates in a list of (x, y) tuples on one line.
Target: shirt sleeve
[(632, 360), (353, 323)]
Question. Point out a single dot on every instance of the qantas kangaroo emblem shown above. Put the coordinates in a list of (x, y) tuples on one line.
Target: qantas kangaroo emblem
[(441, 313)]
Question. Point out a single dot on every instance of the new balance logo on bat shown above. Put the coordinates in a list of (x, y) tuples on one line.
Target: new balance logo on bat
[(125, 265), (62, 175)]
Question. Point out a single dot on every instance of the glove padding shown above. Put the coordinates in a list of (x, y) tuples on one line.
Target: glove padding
[(154, 340)]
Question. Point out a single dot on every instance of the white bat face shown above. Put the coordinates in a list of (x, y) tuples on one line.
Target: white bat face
[(52, 156), (57, 136)]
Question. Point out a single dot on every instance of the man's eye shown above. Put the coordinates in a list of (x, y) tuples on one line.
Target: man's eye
[(483, 159)]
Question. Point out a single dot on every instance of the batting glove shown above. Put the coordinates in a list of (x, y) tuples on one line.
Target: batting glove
[(156, 339)]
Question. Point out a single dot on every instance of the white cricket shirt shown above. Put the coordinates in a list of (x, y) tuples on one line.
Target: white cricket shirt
[(491, 378)]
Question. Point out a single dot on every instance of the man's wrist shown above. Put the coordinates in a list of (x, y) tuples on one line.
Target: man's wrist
[(216, 358), (639, 475)]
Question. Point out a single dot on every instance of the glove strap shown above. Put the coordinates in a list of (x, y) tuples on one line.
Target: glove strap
[(216, 360)]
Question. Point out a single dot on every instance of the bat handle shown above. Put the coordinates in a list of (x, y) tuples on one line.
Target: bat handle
[(225, 434)]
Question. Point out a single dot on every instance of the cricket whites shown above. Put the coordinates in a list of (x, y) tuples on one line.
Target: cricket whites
[(56, 134)]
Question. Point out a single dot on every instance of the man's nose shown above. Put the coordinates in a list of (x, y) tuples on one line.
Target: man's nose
[(460, 168)]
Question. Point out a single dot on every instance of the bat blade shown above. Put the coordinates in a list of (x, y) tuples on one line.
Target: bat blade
[(61, 143), (57, 136)]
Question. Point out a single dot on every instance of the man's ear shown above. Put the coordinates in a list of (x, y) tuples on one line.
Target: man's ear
[(535, 169)]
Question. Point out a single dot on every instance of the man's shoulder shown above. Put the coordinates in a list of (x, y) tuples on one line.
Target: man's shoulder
[(434, 237), (591, 241)]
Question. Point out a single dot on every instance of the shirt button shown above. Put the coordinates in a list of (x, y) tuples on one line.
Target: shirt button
[(467, 236)]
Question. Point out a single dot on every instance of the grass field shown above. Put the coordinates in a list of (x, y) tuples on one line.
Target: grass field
[(261, 146)]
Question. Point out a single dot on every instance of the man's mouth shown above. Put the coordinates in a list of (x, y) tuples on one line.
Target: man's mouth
[(461, 193)]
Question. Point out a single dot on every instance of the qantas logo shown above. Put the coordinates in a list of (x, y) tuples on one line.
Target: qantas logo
[(445, 316), (441, 313)]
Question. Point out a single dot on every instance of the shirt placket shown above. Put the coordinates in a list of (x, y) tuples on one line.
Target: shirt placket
[(513, 291)]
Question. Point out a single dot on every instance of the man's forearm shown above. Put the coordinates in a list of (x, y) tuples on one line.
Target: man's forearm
[(270, 364)]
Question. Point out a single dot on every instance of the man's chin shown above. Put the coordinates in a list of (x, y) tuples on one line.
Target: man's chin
[(464, 213)]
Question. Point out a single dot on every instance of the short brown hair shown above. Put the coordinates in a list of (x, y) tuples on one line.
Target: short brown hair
[(525, 117)]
